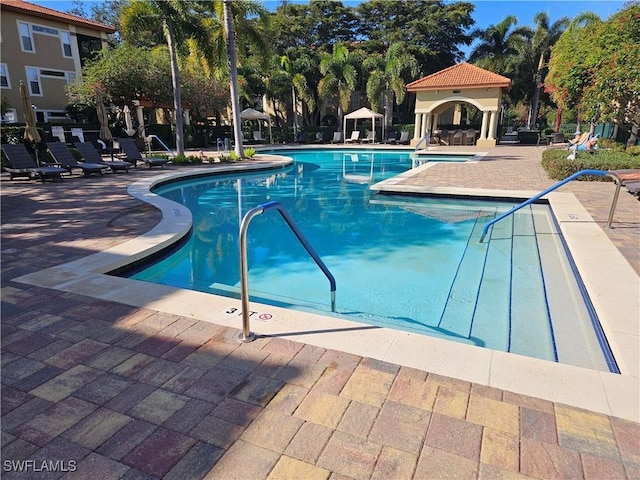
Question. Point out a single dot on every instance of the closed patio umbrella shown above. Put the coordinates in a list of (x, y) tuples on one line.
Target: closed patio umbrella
[(105, 133), (128, 121), (30, 132)]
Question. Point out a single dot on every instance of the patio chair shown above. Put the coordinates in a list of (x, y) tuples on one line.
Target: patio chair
[(319, 138), (457, 138), (337, 137), (91, 155), (355, 137), (470, 137), (404, 138), (370, 138), (257, 137), (63, 156), (21, 164), (392, 137), (131, 153)]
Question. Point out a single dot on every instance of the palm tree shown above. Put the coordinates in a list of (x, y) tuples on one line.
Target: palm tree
[(498, 45), (386, 77), (544, 37), (299, 86), (233, 76), (177, 22), (339, 77)]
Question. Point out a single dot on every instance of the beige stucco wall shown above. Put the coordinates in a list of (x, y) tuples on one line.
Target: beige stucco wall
[(48, 54), (436, 101)]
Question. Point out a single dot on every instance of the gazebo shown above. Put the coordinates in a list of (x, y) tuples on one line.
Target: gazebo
[(251, 114), (364, 112), (461, 83)]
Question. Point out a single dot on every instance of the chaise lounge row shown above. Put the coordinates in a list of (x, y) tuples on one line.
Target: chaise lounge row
[(22, 164)]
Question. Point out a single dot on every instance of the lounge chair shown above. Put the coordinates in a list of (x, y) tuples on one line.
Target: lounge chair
[(370, 138), (392, 137), (91, 155), (257, 137), (319, 138), (337, 137), (23, 165), (63, 156), (589, 144), (302, 137), (131, 153), (355, 137), (457, 138), (404, 138)]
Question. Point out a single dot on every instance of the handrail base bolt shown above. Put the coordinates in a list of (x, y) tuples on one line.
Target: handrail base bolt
[(246, 339)]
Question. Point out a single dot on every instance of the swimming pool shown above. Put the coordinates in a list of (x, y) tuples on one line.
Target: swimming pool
[(404, 262)]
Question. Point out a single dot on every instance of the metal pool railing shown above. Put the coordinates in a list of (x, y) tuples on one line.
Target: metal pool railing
[(543, 193), (247, 335)]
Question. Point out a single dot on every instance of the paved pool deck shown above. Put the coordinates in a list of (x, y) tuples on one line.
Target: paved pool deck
[(100, 388)]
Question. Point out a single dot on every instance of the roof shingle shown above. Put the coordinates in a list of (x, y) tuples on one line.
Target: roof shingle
[(462, 75), (48, 13)]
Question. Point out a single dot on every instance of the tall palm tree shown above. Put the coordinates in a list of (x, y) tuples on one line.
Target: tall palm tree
[(386, 77), (498, 44), (299, 87), (233, 76), (544, 37), (339, 77), (178, 23)]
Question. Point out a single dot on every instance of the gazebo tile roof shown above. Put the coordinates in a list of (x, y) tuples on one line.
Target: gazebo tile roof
[(44, 12), (462, 75)]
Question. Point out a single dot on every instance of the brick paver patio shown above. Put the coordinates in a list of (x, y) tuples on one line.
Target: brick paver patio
[(100, 390)]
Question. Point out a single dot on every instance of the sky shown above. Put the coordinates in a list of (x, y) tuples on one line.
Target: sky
[(487, 12)]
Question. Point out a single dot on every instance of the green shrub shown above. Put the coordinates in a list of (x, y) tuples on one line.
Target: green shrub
[(186, 160), (249, 152), (607, 143), (558, 167), (633, 150), (227, 158)]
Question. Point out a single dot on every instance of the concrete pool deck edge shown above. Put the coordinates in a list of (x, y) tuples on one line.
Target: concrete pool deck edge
[(602, 392)]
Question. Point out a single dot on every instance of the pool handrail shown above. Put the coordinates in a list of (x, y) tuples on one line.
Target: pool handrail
[(600, 173), (149, 140), (246, 335)]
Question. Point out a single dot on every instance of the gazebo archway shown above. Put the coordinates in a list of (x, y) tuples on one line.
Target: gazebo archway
[(462, 83)]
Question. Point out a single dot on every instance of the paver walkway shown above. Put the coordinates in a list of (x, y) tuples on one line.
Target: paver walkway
[(99, 390)]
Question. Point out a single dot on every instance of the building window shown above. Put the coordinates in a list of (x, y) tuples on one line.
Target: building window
[(65, 38), (26, 40), (10, 116), (4, 76), (34, 81)]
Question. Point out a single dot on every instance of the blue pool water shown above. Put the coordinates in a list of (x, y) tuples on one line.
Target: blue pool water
[(410, 263)]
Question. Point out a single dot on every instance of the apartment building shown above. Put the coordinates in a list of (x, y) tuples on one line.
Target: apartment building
[(45, 49)]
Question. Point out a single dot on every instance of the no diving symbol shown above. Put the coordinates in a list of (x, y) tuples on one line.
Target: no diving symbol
[(265, 317)]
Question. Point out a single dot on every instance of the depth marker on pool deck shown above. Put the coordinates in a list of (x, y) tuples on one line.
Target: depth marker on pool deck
[(260, 316)]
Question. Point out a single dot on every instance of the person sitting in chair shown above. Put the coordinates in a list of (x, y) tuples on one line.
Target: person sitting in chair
[(589, 145)]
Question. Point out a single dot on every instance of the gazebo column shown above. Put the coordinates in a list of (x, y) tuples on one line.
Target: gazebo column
[(493, 126), (490, 139), (436, 118), (483, 128), (426, 124), (417, 126)]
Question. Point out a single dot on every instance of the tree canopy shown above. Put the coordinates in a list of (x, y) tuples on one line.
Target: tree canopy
[(595, 66)]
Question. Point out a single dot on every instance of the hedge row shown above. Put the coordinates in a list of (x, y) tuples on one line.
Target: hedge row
[(559, 167)]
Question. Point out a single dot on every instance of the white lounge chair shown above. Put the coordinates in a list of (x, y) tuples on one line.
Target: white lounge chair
[(355, 137), (337, 137), (370, 138), (257, 137), (404, 138)]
